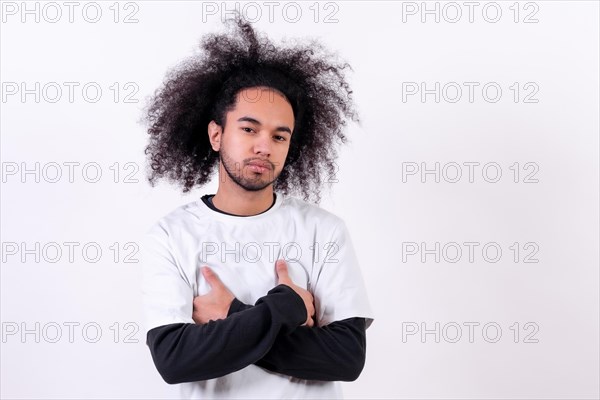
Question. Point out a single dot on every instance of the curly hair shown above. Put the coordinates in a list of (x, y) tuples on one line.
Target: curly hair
[(204, 88)]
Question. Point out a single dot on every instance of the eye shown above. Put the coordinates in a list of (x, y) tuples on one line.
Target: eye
[(280, 138), (247, 129)]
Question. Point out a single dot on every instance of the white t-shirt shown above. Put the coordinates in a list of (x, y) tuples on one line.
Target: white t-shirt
[(242, 251)]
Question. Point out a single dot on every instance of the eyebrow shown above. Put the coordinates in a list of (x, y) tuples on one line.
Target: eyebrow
[(257, 122)]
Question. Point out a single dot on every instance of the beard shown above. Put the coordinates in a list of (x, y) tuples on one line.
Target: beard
[(248, 180)]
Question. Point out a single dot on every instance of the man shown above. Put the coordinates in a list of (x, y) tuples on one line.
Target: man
[(252, 293)]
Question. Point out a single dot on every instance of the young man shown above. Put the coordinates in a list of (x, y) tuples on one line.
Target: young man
[(252, 293)]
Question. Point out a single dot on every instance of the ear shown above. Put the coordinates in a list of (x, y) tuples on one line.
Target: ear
[(214, 135)]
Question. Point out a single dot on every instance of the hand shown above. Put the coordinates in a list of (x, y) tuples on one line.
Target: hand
[(284, 278), (215, 304)]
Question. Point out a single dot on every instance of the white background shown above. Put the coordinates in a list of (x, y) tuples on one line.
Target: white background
[(555, 356)]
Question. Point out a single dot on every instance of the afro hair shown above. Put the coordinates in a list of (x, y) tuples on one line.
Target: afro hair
[(204, 88)]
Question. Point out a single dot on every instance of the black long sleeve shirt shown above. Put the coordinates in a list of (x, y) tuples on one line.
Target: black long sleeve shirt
[(267, 335)]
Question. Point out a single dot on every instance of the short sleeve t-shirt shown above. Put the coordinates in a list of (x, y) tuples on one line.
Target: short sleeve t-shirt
[(242, 251)]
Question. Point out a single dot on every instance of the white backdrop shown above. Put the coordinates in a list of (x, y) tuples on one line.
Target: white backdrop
[(470, 190)]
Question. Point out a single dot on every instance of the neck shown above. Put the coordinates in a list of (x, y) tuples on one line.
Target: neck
[(234, 199)]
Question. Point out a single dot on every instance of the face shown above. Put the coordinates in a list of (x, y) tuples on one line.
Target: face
[(256, 140)]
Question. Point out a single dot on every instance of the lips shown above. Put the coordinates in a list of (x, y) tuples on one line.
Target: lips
[(261, 164)]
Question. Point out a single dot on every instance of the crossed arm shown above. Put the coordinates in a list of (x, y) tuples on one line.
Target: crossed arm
[(277, 334)]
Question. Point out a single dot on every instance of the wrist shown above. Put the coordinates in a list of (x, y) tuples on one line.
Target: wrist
[(235, 306), (289, 303)]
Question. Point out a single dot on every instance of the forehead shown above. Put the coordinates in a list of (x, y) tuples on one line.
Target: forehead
[(263, 100)]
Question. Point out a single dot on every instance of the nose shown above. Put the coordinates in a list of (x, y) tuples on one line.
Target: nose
[(262, 145)]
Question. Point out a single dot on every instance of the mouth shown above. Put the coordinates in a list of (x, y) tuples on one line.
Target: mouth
[(259, 166)]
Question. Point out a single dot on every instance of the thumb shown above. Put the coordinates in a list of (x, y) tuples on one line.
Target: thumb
[(212, 278), (282, 271)]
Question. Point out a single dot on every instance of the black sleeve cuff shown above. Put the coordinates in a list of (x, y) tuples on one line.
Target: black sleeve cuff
[(287, 307), (237, 306)]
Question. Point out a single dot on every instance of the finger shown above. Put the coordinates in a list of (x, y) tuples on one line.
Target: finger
[(196, 300), (311, 311), (311, 298), (282, 271), (212, 278), (310, 323)]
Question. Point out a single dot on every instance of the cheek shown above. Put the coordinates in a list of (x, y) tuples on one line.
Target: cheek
[(282, 156), (235, 145)]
